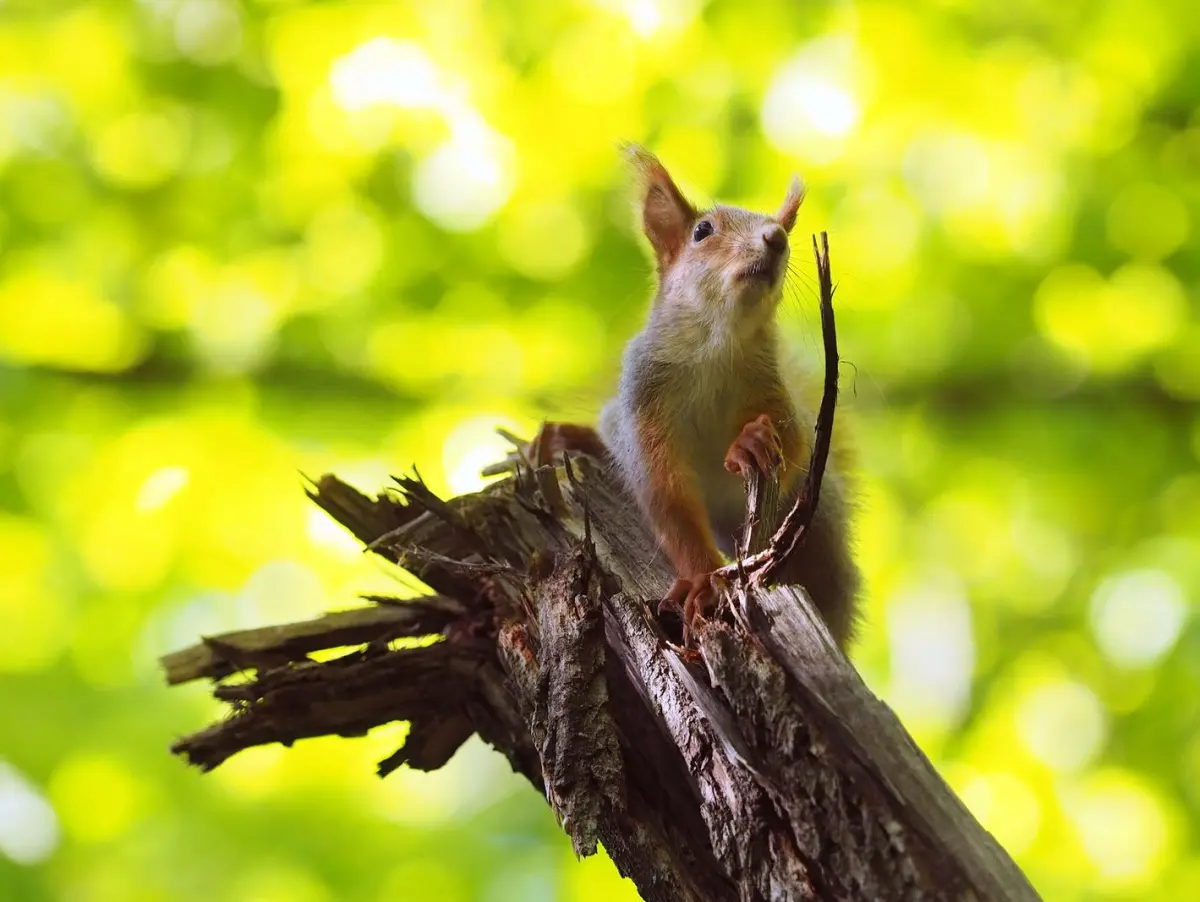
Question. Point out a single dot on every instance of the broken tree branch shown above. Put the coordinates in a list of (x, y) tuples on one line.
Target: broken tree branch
[(276, 645), (760, 767)]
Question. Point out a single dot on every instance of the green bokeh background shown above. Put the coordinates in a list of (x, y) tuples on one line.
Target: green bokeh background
[(244, 240)]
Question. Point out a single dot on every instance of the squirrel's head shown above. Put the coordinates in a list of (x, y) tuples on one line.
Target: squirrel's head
[(727, 265)]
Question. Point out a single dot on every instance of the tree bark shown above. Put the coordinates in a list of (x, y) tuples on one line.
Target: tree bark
[(758, 767), (754, 766)]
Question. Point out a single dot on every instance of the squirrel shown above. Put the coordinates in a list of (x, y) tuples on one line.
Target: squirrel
[(702, 400)]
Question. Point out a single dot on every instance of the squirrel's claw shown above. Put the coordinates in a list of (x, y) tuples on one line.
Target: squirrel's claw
[(675, 599), (757, 446), (738, 460)]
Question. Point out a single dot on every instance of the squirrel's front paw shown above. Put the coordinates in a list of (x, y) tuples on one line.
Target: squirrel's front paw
[(695, 596), (758, 446), (555, 438)]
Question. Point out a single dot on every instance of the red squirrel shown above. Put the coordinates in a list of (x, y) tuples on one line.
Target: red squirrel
[(702, 400)]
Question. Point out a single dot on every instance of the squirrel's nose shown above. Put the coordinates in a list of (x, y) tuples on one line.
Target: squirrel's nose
[(774, 237)]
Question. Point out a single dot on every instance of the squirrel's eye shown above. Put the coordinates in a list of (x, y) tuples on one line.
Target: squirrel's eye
[(703, 230)]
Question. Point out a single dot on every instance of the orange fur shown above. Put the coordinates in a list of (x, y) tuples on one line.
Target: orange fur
[(555, 438), (790, 207), (673, 503)]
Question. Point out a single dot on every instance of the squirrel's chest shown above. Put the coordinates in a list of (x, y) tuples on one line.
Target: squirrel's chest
[(706, 426), (705, 431)]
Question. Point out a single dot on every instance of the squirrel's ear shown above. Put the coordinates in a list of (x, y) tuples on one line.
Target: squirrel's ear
[(786, 216), (667, 217)]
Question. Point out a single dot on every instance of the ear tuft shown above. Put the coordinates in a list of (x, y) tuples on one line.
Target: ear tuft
[(797, 191), (667, 216)]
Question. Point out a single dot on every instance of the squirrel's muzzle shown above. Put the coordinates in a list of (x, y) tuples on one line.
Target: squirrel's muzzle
[(768, 252)]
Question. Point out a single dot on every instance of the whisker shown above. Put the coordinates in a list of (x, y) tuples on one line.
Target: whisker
[(802, 290), (808, 279)]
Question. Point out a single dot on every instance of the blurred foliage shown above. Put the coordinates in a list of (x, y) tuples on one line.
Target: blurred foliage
[(244, 239)]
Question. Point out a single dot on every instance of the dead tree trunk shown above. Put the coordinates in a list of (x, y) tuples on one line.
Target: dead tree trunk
[(758, 766)]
